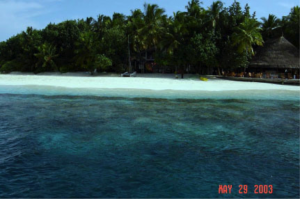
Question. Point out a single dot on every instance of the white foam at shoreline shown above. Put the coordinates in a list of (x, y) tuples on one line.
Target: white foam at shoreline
[(157, 84)]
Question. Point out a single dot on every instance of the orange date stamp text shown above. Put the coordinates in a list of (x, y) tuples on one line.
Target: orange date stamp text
[(244, 189)]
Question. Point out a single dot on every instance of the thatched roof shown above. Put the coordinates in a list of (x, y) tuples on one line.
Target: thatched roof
[(276, 53)]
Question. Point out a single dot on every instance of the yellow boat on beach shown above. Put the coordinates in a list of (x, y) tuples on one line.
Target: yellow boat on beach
[(203, 79)]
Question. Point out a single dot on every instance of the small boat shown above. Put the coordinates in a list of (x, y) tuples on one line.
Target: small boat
[(133, 74), (126, 74)]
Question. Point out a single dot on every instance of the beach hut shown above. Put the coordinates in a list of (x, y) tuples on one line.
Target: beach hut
[(277, 56)]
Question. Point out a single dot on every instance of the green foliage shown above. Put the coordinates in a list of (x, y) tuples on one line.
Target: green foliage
[(176, 34), (102, 62), (235, 14), (64, 69), (87, 52), (12, 49), (292, 27), (214, 13), (3, 52), (114, 45), (269, 26), (163, 58), (10, 66), (134, 23), (67, 34), (100, 25), (194, 9), (204, 50), (31, 39), (231, 59), (152, 28), (198, 38), (247, 34), (46, 56), (118, 20)]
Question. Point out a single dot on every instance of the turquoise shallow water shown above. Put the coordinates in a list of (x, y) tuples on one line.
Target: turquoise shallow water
[(165, 94), (100, 146)]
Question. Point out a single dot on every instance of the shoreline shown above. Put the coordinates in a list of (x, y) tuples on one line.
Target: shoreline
[(295, 82), (155, 82)]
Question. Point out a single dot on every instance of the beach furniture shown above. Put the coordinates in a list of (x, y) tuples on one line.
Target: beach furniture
[(240, 74), (274, 76), (231, 74), (258, 75)]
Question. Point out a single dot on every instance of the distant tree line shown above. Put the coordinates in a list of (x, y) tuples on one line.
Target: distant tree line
[(199, 38)]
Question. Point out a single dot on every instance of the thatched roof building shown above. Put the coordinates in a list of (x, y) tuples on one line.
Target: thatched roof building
[(276, 54)]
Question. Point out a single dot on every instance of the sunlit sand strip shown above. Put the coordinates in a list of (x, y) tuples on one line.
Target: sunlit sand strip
[(191, 84)]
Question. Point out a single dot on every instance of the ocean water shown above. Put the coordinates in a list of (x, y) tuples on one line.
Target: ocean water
[(69, 146)]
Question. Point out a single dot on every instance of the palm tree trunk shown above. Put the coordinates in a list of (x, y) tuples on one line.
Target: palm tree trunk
[(219, 72), (129, 59)]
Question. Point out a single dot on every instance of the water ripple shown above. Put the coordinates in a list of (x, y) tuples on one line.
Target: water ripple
[(62, 146)]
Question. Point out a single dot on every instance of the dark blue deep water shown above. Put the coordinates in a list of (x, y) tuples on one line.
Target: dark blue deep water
[(68, 146)]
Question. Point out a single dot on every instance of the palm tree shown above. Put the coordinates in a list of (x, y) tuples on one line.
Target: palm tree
[(30, 40), (101, 24), (194, 8), (152, 29), (89, 21), (88, 56), (46, 56), (195, 16), (247, 34), (294, 16), (118, 20), (269, 25), (176, 32), (134, 23), (295, 13), (292, 26), (214, 12), (86, 51), (175, 39)]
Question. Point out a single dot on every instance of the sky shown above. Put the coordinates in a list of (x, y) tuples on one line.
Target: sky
[(17, 15)]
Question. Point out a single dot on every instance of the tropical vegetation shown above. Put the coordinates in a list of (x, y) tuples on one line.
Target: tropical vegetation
[(196, 40)]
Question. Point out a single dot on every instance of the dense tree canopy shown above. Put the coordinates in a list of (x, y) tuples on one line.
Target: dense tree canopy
[(195, 40)]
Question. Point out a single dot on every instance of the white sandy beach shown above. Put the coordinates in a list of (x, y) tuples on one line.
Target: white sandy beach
[(158, 82)]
